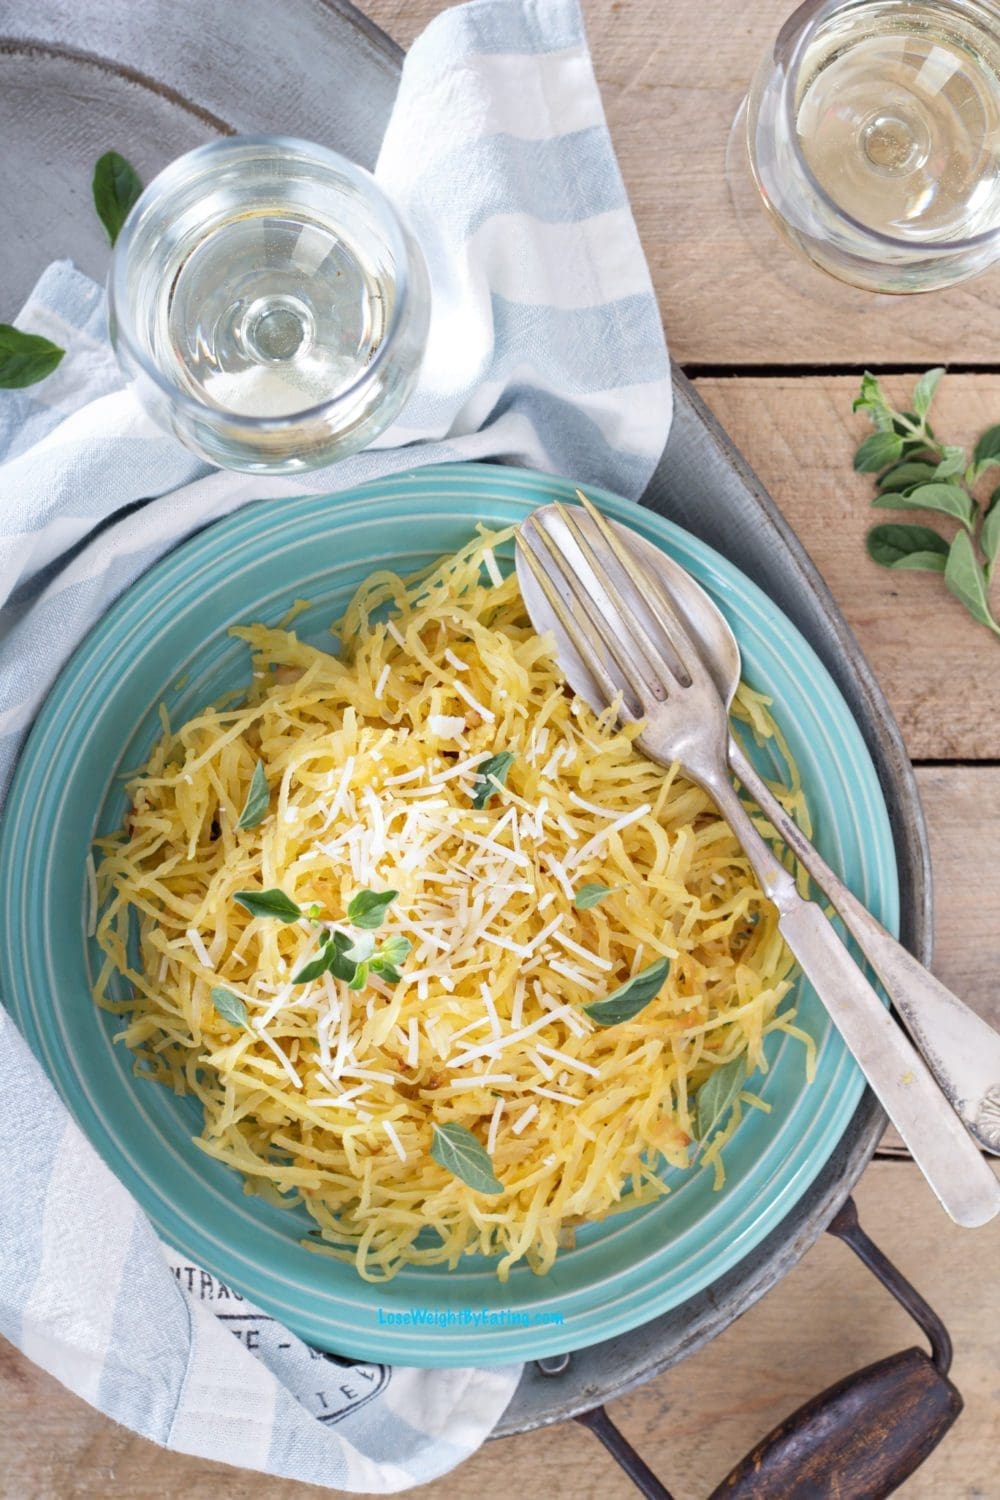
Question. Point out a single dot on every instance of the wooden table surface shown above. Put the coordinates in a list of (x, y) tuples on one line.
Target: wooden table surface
[(779, 368)]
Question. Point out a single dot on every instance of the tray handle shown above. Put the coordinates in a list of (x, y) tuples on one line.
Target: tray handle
[(859, 1439)]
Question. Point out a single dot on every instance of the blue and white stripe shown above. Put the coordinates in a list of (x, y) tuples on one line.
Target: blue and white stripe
[(545, 350)]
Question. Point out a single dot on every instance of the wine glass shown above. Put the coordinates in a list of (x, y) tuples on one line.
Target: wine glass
[(871, 135), (269, 304)]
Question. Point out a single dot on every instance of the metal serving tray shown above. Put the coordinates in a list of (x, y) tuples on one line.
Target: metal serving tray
[(157, 78)]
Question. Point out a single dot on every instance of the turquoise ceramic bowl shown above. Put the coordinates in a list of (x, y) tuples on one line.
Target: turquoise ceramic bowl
[(166, 641)]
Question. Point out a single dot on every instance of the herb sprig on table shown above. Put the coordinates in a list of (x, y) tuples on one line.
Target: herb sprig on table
[(916, 471), (27, 358)]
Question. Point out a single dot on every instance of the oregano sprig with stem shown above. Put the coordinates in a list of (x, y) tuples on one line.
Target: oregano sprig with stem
[(916, 471), (348, 955)]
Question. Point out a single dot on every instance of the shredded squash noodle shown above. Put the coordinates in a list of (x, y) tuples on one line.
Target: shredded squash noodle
[(328, 1096)]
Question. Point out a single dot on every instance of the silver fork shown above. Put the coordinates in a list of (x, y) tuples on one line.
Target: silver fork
[(642, 661)]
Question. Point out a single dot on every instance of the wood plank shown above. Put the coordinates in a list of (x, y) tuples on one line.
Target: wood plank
[(672, 76), (935, 664), (962, 808), (826, 1318)]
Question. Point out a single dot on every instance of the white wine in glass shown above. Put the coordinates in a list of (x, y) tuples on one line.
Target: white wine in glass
[(873, 135), (268, 304)]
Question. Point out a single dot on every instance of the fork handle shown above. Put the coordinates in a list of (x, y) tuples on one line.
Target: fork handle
[(937, 1140), (960, 1048)]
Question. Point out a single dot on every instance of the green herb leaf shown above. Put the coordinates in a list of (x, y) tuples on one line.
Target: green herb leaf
[(923, 391), (952, 463), (903, 476), (456, 1149), (870, 394), (717, 1096), (491, 773), (368, 908), (359, 978), (631, 997), (258, 799), (386, 971), (116, 187), (272, 903), (898, 546), (391, 951), (230, 1008), (967, 581), (361, 949), (590, 894), (25, 358), (947, 499), (989, 536), (342, 967), (317, 966), (872, 400), (987, 450), (877, 451)]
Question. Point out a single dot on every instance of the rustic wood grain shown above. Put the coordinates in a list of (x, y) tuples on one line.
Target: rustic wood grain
[(672, 75), (827, 1318)]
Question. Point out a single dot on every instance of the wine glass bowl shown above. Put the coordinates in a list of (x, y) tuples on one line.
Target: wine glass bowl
[(872, 135), (269, 304)]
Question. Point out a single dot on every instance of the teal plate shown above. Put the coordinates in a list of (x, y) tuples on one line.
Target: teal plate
[(166, 641)]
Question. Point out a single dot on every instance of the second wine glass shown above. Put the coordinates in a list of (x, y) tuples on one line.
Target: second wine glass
[(872, 135)]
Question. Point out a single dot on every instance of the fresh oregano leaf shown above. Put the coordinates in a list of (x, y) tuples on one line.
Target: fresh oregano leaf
[(116, 186), (359, 978), (947, 499), (903, 476), (631, 997), (491, 773), (899, 546), (989, 536), (361, 949), (871, 400), (392, 950), (385, 971), (368, 908), (272, 903), (455, 1148), (923, 391), (987, 450), (870, 394), (317, 966), (230, 1007), (25, 358), (967, 581), (952, 463), (593, 892), (717, 1096), (258, 799), (878, 450), (342, 967)]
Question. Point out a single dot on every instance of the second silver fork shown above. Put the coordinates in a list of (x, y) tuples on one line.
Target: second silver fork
[(630, 646)]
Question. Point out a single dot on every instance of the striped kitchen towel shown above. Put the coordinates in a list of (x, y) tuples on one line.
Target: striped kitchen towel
[(545, 349)]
